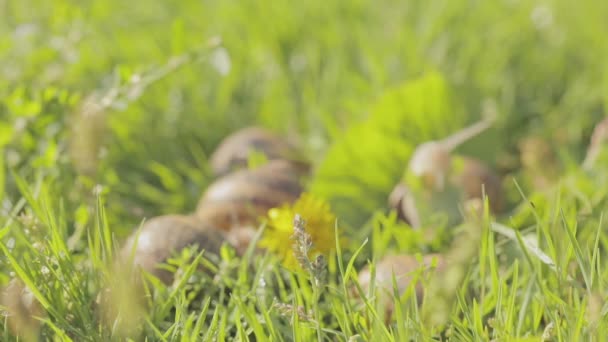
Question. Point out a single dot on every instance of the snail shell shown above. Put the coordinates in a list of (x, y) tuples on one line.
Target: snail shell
[(478, 178), (240, 238), (403, 267), (234, 151), (162, 236), (240, 198)]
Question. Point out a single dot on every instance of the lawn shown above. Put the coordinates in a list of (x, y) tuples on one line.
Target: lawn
[(111, 114)]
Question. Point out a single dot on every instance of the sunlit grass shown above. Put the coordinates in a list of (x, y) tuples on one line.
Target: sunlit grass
[(356, 85)]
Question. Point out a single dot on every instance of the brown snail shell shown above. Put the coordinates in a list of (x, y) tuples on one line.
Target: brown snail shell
[(478, 178), (22, 308), (234, 151), (241, 237), (403, 267), (240, 198), (162, 236)]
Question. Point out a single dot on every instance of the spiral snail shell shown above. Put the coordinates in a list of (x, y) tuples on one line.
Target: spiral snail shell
[(162, 236), (477, 179), (234, 151), (241, 197)]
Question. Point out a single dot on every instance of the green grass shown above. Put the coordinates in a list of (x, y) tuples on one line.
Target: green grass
[(357, 85)]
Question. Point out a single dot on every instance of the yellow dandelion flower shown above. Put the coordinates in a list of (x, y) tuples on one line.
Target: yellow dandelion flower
[(320, 225)]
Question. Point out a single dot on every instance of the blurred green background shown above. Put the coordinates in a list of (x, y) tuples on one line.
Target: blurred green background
[(128, 99), (356, 84)]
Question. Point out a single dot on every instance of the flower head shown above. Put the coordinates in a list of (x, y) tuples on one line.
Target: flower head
[(320, 223)]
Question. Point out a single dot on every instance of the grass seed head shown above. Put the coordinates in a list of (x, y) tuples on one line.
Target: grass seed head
[(301, 231)]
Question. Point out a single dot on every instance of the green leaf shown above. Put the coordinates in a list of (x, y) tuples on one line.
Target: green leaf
[(6, 134), (365, 163), (2, 176)]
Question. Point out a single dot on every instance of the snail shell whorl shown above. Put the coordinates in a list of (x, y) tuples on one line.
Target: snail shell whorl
[(234, 151), (240, 198), (476, 175), (161, 236)]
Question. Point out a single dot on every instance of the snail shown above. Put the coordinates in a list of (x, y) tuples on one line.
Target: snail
[(402, 201), (403, 267), (22, 309), (234, 151), (241, 197), (477, 178), (123, 295), (162, 236), (240, 237), (437, 181)]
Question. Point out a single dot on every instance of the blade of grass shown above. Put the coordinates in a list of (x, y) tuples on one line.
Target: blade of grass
[(577, 252)]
